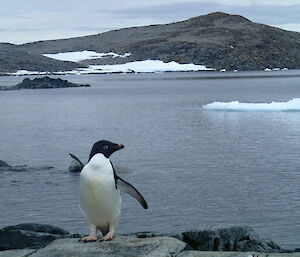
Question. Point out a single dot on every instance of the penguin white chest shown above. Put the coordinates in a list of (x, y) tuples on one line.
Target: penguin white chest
[(100, 201)]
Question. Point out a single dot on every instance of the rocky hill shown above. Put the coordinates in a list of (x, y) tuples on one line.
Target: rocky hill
[(217, 40)]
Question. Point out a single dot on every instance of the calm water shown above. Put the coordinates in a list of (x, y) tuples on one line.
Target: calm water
[(196, 168)]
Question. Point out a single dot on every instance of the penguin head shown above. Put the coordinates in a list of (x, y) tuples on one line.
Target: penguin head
[(105, 147)]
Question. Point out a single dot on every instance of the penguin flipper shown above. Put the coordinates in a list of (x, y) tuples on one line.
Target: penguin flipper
[(76, 159), (132, 191)]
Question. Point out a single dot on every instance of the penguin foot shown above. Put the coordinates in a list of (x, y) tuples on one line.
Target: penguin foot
[(90, 238), (109, 236)]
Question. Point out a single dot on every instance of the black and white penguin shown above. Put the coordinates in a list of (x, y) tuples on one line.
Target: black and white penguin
[(100, 199)]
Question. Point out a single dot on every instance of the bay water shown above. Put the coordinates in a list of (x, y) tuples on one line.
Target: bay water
[(196, 168)]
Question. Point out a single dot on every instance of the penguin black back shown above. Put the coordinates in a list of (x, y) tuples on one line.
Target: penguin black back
[(105, 147)]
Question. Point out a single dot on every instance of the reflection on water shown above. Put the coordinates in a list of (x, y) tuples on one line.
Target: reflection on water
[(196, 168)]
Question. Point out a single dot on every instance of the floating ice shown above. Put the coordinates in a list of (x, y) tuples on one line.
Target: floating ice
[(292, 105), (84, 55)]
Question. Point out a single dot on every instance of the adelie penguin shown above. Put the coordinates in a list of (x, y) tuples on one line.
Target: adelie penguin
[(100, 199)]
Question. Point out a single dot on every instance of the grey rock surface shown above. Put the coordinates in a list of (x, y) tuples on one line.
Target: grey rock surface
[(35, 227), (235, 254), (30, 235), (17, 253), (118, 247), (237, 238)]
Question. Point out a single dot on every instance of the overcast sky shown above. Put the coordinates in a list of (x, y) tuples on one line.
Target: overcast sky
[(32, 20)]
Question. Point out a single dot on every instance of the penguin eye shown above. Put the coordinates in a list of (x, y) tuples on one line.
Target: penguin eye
[(105, 147)]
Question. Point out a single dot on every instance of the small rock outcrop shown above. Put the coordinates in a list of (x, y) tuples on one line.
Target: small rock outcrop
[(119, 246), (3, 164), (43, 83), (30, 235)]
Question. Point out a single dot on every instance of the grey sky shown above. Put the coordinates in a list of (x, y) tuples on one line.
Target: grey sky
[(31, 20)]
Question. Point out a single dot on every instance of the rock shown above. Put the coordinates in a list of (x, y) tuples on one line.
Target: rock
[(3, 164), (19, 239), (223, 239), (147, 234), (229, 239), (43, 228), (118, 247), (43, 83), (75, 166), (17, 253), (30, 235), (235, 254)]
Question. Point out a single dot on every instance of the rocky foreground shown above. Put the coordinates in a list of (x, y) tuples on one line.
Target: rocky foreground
[(38, 240), (43, 83)]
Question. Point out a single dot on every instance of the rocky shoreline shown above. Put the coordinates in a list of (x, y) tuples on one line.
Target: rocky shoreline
[(30, 239)]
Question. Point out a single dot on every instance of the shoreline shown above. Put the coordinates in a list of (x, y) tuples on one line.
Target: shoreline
[(31, 239)]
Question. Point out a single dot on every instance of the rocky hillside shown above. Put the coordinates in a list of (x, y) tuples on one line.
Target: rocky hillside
[(216, 40)]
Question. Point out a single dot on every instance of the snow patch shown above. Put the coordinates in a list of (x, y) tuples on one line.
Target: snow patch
[(148, 66), (26, 72), (84, 55), (292, 105), (276, 69)]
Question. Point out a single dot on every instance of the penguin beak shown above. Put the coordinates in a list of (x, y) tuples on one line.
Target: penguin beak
[(119, 146)]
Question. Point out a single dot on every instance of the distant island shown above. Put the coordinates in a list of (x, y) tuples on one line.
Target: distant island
[(43, 83), (217, 41)]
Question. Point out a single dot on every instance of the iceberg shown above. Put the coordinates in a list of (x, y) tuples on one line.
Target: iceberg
[(84, 55), (292, 105)]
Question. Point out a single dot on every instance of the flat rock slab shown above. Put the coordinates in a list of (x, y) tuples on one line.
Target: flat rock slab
[(118, 247), (17, 253), (234, 254)]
